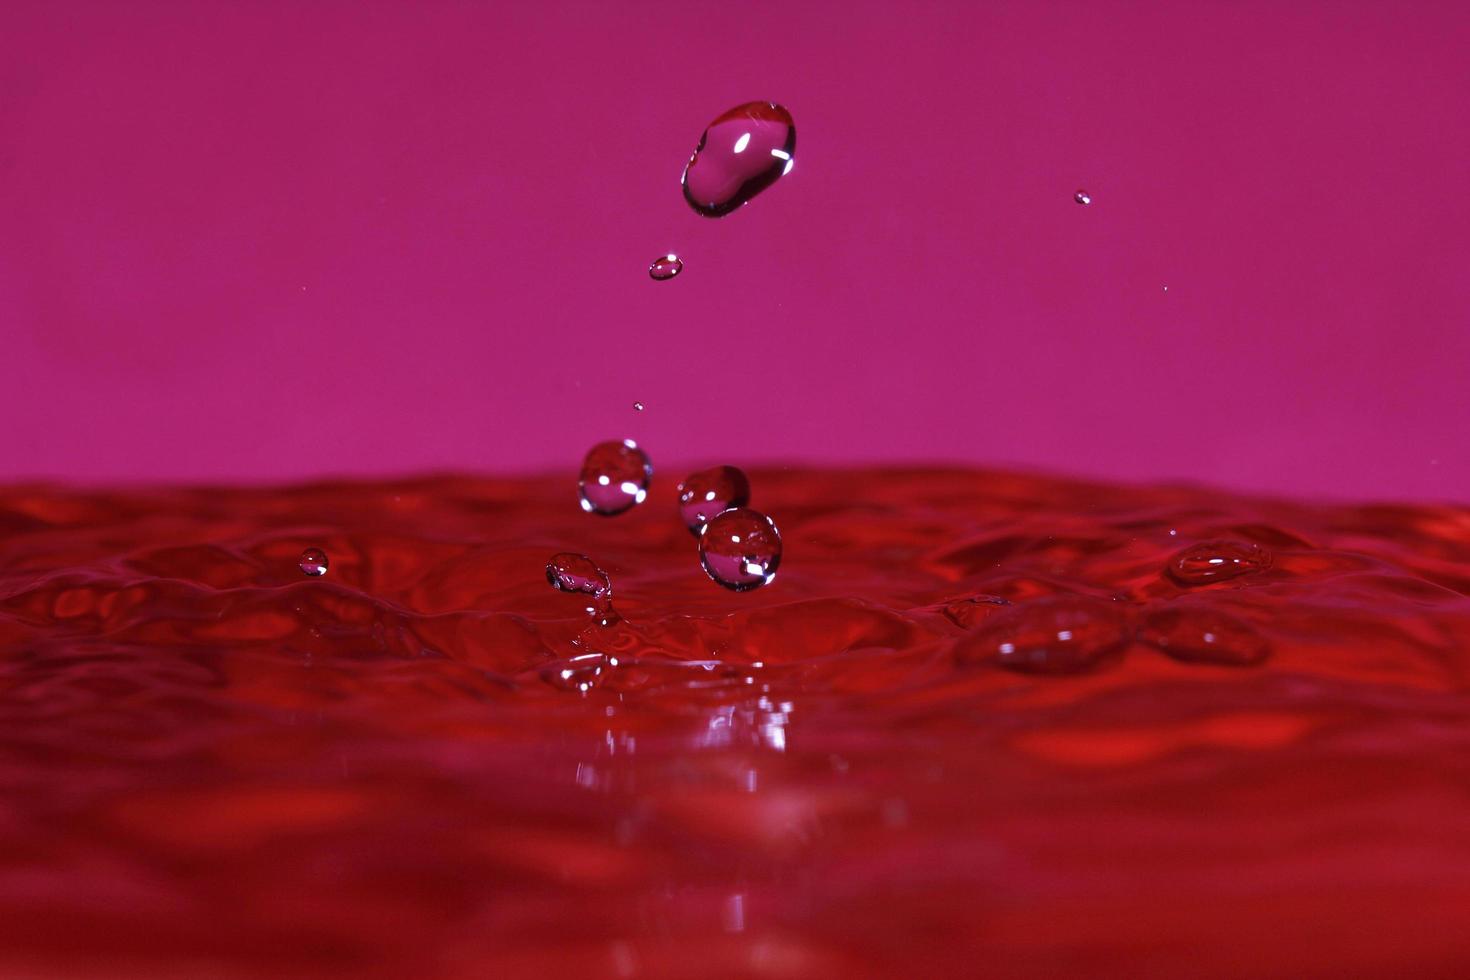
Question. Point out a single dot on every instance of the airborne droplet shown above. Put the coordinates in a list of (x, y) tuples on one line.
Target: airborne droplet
[(1082, 197), (704, 494), (313, 562), (739, 155), (614, 477), (740, 549), (665, 267)]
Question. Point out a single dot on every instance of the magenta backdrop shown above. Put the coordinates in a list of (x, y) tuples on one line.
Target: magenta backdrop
[(259, 240)]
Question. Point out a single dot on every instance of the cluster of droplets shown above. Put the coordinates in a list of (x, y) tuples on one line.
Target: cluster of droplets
[(1070, 634), (739, 548)]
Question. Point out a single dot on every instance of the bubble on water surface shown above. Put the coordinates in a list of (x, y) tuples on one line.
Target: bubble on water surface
[(1054, 635), (1217, 561), (1198, 635), (313, 562), (571, 572), (740, 549), (740, 154), (1082, 197), (704, 494), (665, 267), (580, 673), (614, 477)]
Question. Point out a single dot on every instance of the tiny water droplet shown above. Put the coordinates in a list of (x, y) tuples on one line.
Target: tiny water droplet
[(740, 549), (1198, 635), (637, 406), (1082, 197), (740, 154), (571, 572), (614, 477), (313, 562), (580, 673), (1217, 561), (665, 267), (1054, 635), (704, 494)]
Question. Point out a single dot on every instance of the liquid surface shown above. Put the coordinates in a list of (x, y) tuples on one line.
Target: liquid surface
[(428, 763)]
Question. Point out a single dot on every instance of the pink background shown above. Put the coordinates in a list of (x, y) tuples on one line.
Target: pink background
[(257, 240)]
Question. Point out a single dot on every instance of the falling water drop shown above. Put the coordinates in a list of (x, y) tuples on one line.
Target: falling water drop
[(665, 267), (1082, 197), (740, 549), (1056, 635), (614, 477), (1198, 635), (313, 562), (740, 154), (1217, 561), (571, 572), (704, 494)]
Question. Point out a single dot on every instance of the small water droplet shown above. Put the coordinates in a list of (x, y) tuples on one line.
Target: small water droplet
[(740, 549), (1217, 561), (580, 673), (637, 406), (665, 267), (614, 477), (704, 494), (1053, 635), (1198, 635), (571, 572), (740, 154), (313, 562), (1082, 197)]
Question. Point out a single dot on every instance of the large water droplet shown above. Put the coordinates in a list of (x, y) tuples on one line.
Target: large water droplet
[(740, 549), (579, 673), (1217, 561), (665, 267), (740, 154), (614, 477), (1054, 635), (313, 562), (1199, 635), (704, 494), (1082, 197), (571, 572)]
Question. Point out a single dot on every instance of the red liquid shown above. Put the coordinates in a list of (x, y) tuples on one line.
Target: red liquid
[(216, 767)]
